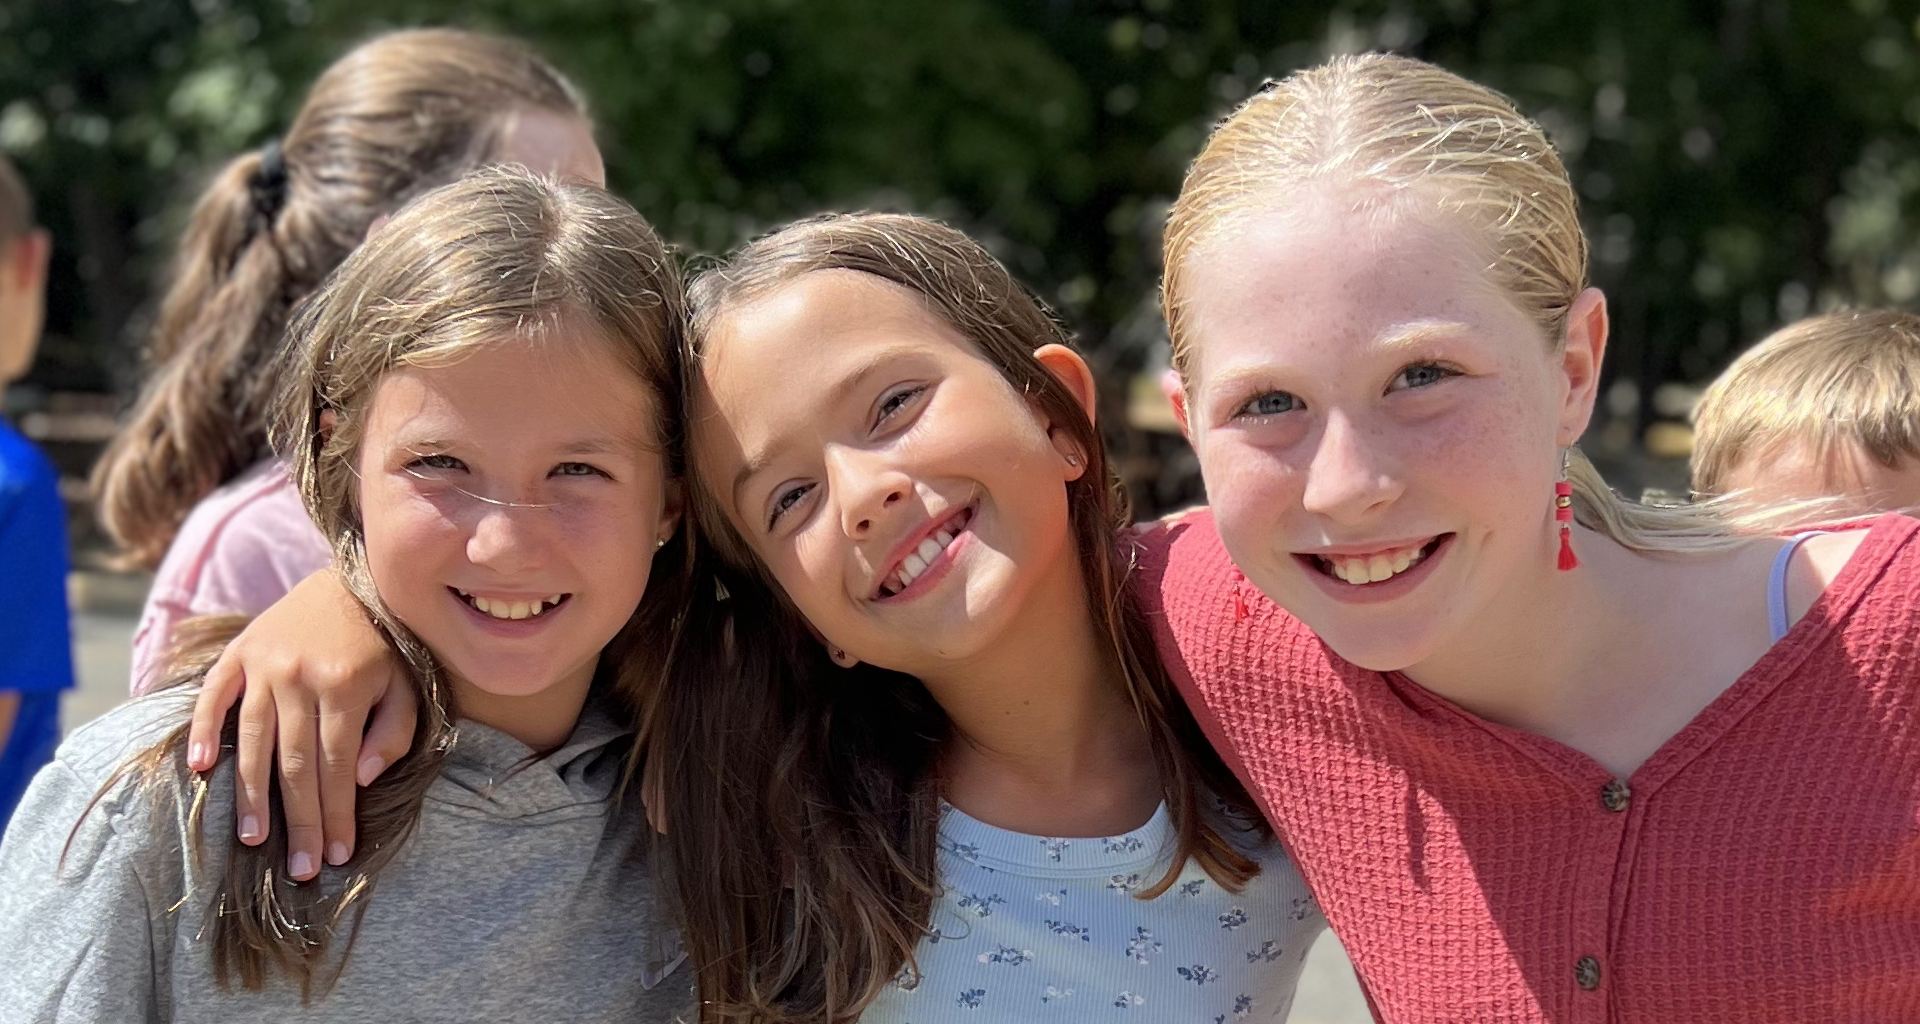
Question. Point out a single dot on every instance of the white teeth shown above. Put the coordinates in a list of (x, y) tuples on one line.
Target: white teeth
[(501, 609), (1372, 568), (917, 561)]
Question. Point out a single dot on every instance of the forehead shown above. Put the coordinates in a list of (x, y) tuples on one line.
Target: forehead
[(570, 381), (549, 142), (772, 367), (816, 327), (1315, 275)]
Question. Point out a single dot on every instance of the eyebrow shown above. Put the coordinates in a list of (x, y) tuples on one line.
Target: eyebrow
[(601, 445), (758, 460), (1419, 333)]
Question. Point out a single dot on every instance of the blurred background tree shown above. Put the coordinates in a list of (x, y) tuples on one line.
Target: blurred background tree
[(1741, 162)]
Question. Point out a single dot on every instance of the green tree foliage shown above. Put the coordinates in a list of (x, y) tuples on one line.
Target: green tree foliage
[(1741, 162)]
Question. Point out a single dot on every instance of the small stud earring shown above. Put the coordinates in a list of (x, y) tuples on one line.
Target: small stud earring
[(659, 543), (1073, 458)]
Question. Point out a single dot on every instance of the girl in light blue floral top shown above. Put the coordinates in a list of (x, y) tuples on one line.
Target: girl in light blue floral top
[(942, 774)]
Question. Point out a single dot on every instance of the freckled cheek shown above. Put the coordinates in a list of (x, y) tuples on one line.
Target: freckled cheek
[(1247, 482)]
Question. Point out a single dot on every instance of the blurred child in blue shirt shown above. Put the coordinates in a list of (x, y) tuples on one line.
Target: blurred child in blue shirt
[(36, 643)]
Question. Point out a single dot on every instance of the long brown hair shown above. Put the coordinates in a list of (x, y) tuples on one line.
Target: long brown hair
[(499, 255), (808, 876), (393, 118)]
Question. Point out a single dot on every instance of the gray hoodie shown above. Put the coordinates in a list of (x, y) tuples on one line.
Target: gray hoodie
[(522, 896)]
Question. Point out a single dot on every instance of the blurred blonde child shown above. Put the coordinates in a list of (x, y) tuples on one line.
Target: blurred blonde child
[(1826, 408)]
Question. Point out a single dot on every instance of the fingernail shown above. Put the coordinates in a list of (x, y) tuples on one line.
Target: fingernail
[(249, 827), (336, 853), (197, 756), (370, 768), (300, 864)]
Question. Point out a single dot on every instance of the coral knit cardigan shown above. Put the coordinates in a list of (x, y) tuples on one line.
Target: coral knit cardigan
[(1764, 865)]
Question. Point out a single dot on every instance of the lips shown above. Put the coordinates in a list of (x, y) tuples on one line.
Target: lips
[(931, 545)]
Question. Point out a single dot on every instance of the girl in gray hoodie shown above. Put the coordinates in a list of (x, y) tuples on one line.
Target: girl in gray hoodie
[(478, 412)]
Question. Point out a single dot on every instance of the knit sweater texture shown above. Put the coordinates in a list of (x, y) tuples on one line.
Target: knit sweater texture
[(1763, 865)]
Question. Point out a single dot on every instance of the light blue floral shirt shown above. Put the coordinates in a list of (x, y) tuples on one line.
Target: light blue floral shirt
[(1030, 928)]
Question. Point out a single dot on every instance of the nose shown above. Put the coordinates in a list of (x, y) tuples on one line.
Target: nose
[(1351, 476), (508, 540), (868, 486)]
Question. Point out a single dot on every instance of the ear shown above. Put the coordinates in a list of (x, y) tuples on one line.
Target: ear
[(672, 506), (1580, 360), (1175, 389), (328, 420), (26, 269), (841, 658), (1071, 371)]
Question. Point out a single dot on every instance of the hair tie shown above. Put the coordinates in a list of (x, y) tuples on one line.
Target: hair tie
[(268, 186)]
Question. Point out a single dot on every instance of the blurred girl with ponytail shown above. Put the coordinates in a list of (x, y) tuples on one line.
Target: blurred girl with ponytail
[(189, 486)]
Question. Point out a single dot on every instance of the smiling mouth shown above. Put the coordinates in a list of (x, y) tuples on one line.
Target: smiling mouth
[(923, 556), (1374, 567), (501, 609)]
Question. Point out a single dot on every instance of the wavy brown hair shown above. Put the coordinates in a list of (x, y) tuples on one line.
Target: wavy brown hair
[(498, 257), (398, 115), (809, 879)]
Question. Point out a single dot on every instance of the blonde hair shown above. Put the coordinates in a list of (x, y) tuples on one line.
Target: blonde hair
[(1847, 378), (398, 115), (1412, 135), (498, 257)]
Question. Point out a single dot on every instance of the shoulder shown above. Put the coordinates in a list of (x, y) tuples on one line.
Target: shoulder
[(26, 474), (96, 750), (1881, 558)]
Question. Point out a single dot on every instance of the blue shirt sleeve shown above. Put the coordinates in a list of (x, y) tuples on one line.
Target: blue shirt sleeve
[(36, 638)]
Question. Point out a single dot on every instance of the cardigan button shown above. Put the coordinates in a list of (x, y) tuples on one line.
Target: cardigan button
[(1586, 971), (1615, 795)]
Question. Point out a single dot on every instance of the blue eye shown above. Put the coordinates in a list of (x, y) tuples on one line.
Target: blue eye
[(1273, 403), (785, 501), (576, 469), (1422, 375)]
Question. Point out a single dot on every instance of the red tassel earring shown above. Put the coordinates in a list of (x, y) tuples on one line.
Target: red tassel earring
[(1563, 511)]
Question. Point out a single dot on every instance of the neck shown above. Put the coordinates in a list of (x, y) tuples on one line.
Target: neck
[(542, 720), (1611, 658), (1046, 738)]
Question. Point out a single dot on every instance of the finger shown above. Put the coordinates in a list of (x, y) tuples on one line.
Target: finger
[(300, 786), (221, 687), (254, 736), (390, 733), (340, 730)]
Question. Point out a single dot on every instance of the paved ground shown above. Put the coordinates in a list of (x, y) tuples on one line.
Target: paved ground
[(104, 626)]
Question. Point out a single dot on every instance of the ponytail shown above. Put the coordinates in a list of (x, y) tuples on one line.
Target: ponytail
[(200, 420), (392, 119)]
